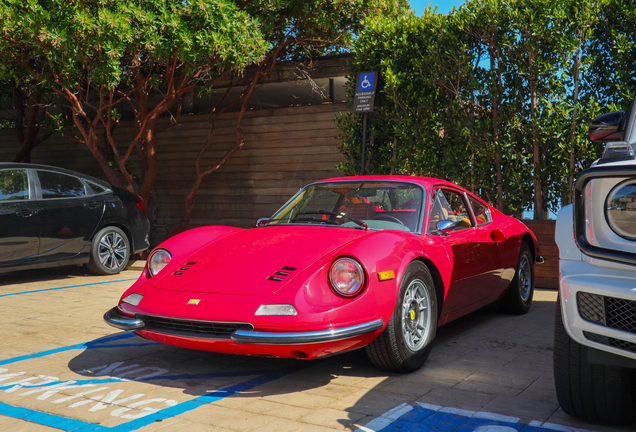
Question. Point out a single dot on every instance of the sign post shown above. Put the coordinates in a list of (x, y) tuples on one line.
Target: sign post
[(363, 101)]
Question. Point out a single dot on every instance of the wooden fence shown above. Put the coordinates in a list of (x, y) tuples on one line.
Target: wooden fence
[(547, 274), (285, 148)]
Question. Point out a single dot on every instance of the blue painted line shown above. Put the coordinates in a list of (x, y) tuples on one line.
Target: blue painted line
[(100, 343), (66, 287), (73, 425), (196, 403), (43, 419)]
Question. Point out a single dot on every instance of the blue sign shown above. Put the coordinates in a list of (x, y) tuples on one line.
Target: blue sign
[(366, 81)]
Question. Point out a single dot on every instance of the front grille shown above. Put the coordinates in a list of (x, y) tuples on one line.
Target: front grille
[(192, 328), (609, 341), (621, 314), (611, 312)]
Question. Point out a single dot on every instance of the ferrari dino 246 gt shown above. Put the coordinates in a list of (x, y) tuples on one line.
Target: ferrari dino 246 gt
[(375, 261)]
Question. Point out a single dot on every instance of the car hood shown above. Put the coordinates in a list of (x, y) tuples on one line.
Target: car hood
[(246, 262)]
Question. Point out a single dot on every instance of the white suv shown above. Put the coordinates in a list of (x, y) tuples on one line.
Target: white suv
[(595, 327)]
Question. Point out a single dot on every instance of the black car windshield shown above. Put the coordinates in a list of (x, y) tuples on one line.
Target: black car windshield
[(374, 205)]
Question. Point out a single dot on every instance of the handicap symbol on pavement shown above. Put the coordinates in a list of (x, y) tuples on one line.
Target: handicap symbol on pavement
[(366, 81)]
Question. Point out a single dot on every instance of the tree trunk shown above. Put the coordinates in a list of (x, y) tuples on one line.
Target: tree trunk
[(575, 97), (536, 159), (494, 92)]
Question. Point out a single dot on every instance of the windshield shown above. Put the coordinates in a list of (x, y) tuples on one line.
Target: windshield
[(373, 204)]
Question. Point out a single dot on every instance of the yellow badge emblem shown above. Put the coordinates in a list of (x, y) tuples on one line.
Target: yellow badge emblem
[(412, 314), (194, 301)]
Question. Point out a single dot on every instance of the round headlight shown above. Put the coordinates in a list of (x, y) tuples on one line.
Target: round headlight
[(158, 260), (346, 277), (620, 210)]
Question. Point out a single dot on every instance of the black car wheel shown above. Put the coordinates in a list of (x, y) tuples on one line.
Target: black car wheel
[(110, 251), (521, 289), (406, 342), (592, 392)]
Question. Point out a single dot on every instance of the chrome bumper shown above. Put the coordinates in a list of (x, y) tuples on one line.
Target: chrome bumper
[(115, 319), (271, 338)]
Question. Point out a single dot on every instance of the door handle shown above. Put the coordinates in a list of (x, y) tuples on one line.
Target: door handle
[(26, 212), (497, 236), (92, 205)]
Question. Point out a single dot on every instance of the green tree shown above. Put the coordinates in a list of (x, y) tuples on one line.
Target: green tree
[(97, 55), (293, 30)]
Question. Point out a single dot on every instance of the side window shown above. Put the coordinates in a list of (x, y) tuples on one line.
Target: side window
[(97, 189), (14, 185), (449, 205), (481, 212), (56, 185)]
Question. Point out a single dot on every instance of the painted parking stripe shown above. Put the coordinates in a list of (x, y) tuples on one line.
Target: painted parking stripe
[(66, 287), (100, 343), (425, 418), (74, 425)]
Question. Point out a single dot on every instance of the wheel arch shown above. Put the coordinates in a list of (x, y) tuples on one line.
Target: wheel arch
[(437, 278), (122, 227), (528, 240)]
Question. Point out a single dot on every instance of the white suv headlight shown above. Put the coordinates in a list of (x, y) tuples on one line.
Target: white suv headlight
[(620, 209)]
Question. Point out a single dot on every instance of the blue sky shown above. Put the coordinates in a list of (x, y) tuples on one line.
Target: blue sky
[(443, 6)]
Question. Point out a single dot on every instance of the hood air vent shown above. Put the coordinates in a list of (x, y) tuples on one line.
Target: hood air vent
[(183, 269), (280, 274)]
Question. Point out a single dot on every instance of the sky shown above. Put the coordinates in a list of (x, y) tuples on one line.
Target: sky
[(443, 6)]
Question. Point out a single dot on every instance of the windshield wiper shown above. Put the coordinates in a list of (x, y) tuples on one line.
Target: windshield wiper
[(296, 218), (357, 221)]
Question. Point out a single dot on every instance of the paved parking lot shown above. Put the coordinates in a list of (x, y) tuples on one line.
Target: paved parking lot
[(63, 368)]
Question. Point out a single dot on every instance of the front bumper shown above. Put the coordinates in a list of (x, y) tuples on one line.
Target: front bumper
[(602, 282), (115, 319)]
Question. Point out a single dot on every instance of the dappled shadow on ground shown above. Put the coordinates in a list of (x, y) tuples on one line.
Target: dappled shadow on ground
[(484, 361), (47, 274)]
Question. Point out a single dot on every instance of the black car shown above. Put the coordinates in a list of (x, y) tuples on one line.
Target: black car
[(51, 217)]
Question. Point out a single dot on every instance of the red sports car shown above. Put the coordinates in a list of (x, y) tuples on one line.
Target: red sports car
[(375, 261)]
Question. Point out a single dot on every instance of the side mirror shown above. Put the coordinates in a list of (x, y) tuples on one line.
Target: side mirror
[(608, 127), (445, 226), (262, 221)]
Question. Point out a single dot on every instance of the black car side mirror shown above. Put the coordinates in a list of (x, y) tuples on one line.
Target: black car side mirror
[(608, 127)]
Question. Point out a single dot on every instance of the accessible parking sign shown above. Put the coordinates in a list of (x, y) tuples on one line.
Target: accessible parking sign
[(364, 98)]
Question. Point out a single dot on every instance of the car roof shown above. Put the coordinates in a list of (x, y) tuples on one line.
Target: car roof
[(4, 165), (427, 182)]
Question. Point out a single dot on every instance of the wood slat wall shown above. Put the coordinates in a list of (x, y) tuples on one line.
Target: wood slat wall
[(547, 274), (285, 148)]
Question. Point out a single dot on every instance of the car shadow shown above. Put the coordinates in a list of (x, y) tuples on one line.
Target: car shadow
[(347, 386), (46, 274)]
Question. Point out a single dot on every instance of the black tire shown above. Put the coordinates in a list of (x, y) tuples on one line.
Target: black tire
[(521, 290), (107, 260), (394, 351), (591, 392)]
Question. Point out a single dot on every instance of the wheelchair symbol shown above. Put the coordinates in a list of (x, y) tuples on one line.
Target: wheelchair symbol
[(367, 81)]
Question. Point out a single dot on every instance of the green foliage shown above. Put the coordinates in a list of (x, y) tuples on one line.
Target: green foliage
[(65, 42), (494, 95)]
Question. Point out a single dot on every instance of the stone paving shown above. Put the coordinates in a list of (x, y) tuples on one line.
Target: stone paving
[(63, 368)]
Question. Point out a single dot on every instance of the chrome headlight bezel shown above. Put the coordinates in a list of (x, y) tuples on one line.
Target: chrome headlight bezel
[(611, 222), (156, 253), (359, 282)]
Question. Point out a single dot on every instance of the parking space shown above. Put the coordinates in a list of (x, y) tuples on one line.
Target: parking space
[(63, 368)]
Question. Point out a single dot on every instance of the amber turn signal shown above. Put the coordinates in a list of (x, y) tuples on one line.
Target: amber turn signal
[(387, 275)]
